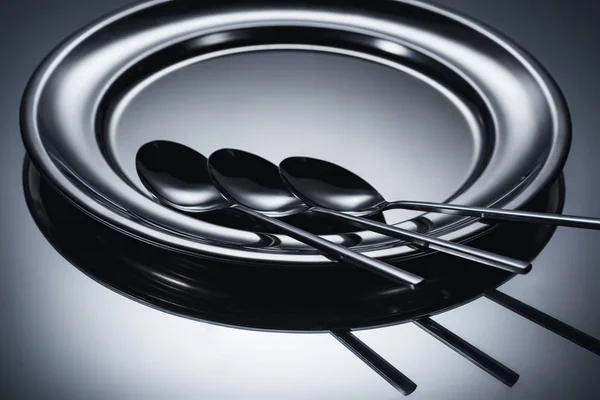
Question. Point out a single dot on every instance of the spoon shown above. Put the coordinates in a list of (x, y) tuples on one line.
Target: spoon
[(337, 193), (179, 177), (323, 183)]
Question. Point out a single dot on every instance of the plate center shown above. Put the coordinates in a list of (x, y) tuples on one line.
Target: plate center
[(406, 135)]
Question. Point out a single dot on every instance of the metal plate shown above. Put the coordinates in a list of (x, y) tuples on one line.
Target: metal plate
[(379, 88)]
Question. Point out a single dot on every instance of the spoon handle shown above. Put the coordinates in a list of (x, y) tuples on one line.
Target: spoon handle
[(468, 351), (546, 321), (335, 251), (456, 249), (500, 214), (386, 370)]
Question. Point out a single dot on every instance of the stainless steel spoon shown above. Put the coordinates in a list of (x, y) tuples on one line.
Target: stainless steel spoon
[(179, 177), (330, 186), (337, 193)]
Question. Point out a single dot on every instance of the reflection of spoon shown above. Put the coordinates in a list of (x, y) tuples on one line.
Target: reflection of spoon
[(329, 187), (178, 176)]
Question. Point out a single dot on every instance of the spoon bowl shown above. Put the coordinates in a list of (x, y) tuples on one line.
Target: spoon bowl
[(254, 182), (330, 186), (178, 177)]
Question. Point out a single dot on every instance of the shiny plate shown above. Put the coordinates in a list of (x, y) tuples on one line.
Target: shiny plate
[(423, 103)]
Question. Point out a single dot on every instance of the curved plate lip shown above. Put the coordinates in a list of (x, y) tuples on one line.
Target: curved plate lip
[(35, 148), (559, 153)]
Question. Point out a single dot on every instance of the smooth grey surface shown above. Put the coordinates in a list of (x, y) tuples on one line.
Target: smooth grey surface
[(64, 336)]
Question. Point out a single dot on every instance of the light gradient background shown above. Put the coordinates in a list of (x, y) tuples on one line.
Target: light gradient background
[(64, 336)]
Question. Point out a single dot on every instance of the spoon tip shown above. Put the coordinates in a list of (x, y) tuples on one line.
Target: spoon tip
[(328, 185)]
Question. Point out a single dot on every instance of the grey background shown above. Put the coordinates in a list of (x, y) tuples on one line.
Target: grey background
[(64, 336)]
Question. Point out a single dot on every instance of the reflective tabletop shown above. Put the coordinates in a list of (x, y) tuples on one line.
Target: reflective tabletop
[(66, 336)]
